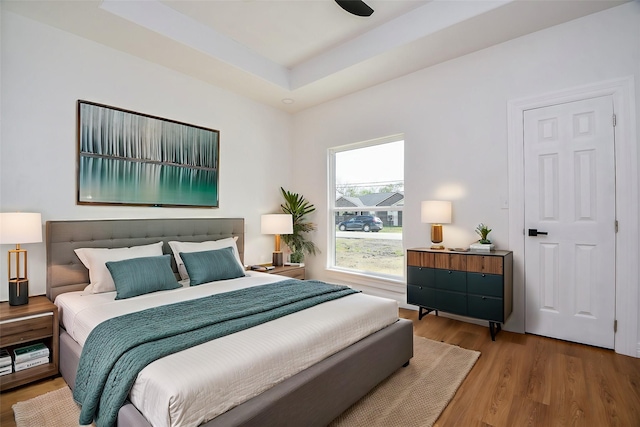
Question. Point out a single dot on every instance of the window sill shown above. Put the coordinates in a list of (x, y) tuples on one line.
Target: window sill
[(349, 277)]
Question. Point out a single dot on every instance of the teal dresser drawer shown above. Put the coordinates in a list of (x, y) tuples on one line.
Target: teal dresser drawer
[(490, 285), (451, 280), (420, 276), (477, 285), (451, 302), (421, 295), (486, 308)]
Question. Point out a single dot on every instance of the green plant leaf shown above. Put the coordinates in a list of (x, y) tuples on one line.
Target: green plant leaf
[(298, 207)]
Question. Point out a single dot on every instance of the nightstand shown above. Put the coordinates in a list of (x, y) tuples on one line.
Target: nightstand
[(20, 325), (294, 271)]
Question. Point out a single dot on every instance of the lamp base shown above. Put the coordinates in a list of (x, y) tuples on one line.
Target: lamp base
[(18, 292), (437, 248), (278, 259)]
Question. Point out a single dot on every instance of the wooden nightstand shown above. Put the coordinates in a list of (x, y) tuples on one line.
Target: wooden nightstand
[(29, 323), (293, 271)]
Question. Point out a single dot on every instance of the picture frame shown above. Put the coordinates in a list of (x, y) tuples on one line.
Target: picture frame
[(130, 158)]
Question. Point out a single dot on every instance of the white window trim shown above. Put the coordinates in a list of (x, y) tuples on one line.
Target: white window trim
[(381, 281)]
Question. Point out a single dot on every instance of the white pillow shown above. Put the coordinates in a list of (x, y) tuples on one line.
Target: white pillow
[(178, 247), (95, 260)]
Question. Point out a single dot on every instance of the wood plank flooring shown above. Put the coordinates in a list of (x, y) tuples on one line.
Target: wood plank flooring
[(519, 380), (528, 380)]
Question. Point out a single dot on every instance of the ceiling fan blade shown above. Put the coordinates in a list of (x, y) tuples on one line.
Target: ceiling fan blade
[(356, 7)]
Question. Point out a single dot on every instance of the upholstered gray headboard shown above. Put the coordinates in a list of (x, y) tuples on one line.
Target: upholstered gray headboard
[(65, 272)]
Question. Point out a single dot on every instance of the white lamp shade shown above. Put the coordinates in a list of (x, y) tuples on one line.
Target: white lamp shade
[(20, 227), (436, 212), (276, 224)]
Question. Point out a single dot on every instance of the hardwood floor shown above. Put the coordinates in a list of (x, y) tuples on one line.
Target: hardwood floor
[(519, 380), (528, 380)]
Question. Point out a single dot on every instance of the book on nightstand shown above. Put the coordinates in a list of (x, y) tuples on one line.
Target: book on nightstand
[(30, 363), (4, 370), (30, 352), (5, 358)]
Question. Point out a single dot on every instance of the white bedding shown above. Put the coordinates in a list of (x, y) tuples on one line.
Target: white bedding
[(195, 385)]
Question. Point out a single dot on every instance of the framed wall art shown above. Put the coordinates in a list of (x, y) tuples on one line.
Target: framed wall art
[(129, 158)]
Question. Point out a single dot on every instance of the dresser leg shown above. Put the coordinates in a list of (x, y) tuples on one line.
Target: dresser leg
[(426, 311), (494, 328)]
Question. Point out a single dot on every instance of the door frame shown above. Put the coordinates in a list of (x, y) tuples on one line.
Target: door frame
[(626, 157)]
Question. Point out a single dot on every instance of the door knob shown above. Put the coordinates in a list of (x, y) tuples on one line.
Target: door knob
[(534, 232)]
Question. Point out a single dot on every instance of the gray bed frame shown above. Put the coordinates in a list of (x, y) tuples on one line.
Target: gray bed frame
[(313, 397)]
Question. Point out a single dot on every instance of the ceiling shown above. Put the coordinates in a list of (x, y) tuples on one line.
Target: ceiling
[(294, 54)]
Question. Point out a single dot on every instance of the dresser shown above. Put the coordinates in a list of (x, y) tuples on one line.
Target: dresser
[(472, 284)]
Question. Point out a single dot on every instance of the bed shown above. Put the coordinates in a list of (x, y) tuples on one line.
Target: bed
[(312, 397)]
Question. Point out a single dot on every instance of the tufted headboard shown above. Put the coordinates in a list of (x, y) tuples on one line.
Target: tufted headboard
[(65, 272)]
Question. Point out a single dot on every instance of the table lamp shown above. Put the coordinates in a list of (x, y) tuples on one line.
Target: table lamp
[(19, 228), (277, 224), (436, 212)]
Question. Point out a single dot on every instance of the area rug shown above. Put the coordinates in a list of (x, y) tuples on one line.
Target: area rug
[(415, 395), (412, 396), (56, 408)]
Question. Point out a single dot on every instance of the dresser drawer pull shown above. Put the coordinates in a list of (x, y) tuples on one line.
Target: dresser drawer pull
[(483, 275)]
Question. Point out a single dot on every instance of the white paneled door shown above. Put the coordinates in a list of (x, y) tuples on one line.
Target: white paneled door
[(570, 229)]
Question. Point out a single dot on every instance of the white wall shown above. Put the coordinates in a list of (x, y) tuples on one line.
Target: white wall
[(45, 71), (454, 118)]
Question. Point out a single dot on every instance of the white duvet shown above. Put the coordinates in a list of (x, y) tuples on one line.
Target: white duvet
[(196, 385)]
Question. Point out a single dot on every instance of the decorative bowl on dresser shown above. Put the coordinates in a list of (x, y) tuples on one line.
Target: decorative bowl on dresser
[(477, 285)]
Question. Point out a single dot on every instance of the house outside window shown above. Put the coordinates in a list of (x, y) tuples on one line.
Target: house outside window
[(367, 200)]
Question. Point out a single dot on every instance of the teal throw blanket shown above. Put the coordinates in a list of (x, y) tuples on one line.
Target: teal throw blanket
[(119, 348)]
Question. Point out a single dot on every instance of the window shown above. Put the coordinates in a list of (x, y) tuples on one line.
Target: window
[(367, 194)]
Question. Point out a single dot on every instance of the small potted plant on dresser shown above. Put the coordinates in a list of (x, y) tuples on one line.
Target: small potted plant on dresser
[(296, 205), (484, 244)]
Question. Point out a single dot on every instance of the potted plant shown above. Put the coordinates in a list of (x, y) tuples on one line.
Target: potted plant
[(484, 244), (298, 207), (483, 231)]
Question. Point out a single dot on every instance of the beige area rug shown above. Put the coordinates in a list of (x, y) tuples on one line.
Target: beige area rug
[(56, 408), (412, 396), (416, 395)]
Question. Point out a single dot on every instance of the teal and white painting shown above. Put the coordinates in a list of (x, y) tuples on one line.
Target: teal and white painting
[(135, 159)]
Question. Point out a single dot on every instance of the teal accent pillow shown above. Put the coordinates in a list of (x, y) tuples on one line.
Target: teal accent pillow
[(210, 266), (139, 276)]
